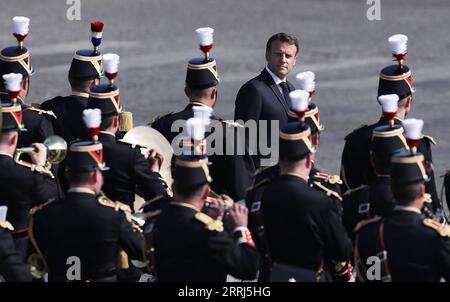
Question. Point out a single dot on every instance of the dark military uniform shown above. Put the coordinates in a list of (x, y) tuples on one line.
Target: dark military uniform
[(12, 266), (302, 225), (290, 209), (37, 122), (23, 185), (409, 247), (68, 110), (90, 227), (191, 246), (367, 201), (129, 168), (82, 224), (417, 249), (356, 169), (228, 171)]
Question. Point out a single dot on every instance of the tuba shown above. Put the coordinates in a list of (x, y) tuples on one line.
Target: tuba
[(147, 138), (56, 149)]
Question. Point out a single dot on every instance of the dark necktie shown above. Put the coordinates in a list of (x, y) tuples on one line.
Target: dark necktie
[(285, 88)]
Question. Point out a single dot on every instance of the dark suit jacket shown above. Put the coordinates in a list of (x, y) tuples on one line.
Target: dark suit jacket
[(260, 99)]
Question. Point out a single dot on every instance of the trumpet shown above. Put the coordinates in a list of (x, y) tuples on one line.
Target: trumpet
[(213, 199), (56, 149)]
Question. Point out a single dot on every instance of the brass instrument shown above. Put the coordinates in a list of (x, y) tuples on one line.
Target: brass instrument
[(148, 138), (56, 149), (212, 202)]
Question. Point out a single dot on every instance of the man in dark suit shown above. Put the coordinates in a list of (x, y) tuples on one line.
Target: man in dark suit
[(266, 97)]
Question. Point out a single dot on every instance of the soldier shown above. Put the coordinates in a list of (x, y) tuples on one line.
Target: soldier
[(408, 246), (23, 184), (356, 169), (375, 198), (12, 266), (193, 246), (228, 171), (17, 60), (85, 224), (85, 71), (305, 236), (129, 168)]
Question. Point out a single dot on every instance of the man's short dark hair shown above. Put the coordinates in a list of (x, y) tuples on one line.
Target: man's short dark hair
[(404, 195), (106, 122), (187, 192), (198, 94), (285, 38), (79, 85), (76, 177)]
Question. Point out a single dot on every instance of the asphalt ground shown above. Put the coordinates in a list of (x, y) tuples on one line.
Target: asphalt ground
[(155, 39)]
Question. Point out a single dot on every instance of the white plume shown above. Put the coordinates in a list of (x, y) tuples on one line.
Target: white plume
[(413, 128), (195, 128), (389, 102), (398, 44), (306, 81), (205, 35), (299, 100), (203, 112), (21, 25), (13, 81), (111, 62), (92, 117)]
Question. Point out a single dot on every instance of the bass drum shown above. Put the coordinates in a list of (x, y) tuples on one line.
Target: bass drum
[(148, 138)]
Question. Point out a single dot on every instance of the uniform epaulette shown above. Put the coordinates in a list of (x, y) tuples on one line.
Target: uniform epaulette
[(230, 123), (329, 192), (6, 225), (430, 139), (366, 222), (356, 130), (211, 224), (116, 205), (41, 206), (427, 198), (442, 229), (348, 192), (260, 183), (158, 117), (35, 168), (40, 111), (332, 179)]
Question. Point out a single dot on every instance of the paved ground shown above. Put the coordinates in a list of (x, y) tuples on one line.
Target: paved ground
[(155, 39)]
